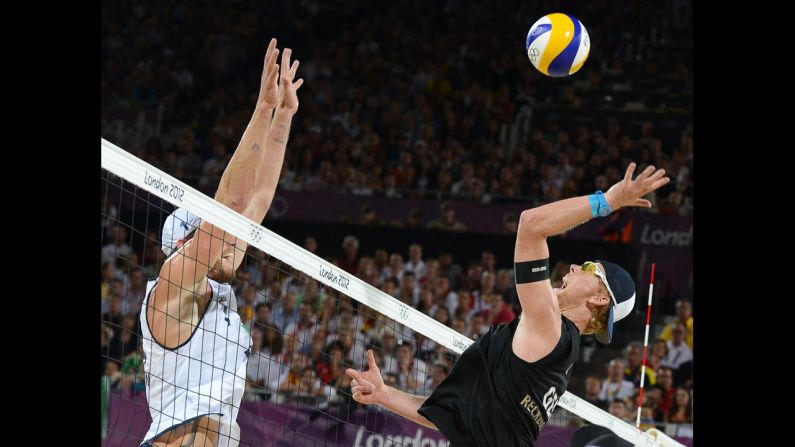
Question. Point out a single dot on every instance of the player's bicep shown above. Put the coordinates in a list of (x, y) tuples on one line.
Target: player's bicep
[(539, 329), (193, 260), (531, 273)]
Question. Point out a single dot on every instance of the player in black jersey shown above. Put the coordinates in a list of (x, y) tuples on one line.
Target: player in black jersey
[(505, 385)]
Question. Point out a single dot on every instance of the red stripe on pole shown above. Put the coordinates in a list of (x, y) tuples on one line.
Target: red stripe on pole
[(646, 342)]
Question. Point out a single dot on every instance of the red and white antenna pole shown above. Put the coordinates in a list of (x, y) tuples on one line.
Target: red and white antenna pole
[(645, 347)]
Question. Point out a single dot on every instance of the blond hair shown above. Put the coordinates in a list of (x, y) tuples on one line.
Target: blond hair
[(599, 316), (598, 320)]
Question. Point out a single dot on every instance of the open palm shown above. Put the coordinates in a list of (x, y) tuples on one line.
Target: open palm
[(628, 192)]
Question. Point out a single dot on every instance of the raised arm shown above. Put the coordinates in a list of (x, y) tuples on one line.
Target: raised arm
[(238, 182), (368, 388), (540, 309), (269, 165), (250, 179)]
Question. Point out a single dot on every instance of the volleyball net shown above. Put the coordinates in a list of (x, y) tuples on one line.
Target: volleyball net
[(309, 320)]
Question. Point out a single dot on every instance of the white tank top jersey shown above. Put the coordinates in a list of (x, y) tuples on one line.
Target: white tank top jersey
[(205, 375)]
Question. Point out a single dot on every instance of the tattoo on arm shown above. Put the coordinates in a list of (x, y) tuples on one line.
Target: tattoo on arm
[(280, 140), (255, 147)]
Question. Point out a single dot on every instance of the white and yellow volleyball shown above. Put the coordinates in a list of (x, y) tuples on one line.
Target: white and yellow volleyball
[(558, 45)]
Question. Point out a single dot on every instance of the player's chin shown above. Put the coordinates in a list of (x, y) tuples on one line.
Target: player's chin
[(220, 275)]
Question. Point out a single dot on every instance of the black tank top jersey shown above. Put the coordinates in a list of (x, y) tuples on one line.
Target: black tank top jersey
[(493, 398)]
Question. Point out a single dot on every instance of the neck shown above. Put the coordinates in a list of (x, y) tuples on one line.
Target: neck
[(579, 315)]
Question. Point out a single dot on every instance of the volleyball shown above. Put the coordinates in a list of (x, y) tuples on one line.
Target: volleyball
[(558, 45)]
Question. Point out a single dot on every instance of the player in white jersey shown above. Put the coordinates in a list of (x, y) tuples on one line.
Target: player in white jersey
[(195, 346)]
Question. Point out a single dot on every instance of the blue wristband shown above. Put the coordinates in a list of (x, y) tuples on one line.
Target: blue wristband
[(594, 205), (603, 208)]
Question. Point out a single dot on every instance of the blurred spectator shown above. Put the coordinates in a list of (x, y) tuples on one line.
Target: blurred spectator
[(415, 263), (653, 398), (132, 381), (593, 388), (305, 327), (262, 314), (460, 325), (440, 371), (311, 293), (134, 293), (273, 341), (443, 294), (615, 387), (310, 244), (497, 311), (478, 327), (246, 308), (510, 223), (684, 316), (350, 258), (105, 283), (116, 246), (506, 286), (124, 340), (394, 269), (446, 220), (678, 351), (114, 315), (657, 353), (262, 371), (113, 374), (286, 313), (633, 370), (367, 216), (665, 380), (409, 292), (414, 219), (450, 269), (410, 370), (618, 408), (681, 411), (331, 367)]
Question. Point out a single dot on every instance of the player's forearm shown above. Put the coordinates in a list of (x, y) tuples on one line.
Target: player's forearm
[(557, 217), (238, 182), (270, 167), (405, 405)]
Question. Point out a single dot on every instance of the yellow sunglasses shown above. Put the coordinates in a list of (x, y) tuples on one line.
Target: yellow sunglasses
[(593, 268)]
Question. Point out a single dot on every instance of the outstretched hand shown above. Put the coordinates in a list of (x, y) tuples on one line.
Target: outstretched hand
[(288, 88), (368, 386), (269, 85), (629, 192)]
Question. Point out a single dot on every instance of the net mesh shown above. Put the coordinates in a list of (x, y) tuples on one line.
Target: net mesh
[(304, 334)]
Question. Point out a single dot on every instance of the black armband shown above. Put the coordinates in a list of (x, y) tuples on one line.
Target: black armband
[(531, 271)]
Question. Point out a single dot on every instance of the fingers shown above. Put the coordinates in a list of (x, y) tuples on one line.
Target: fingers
[(371, 360), (269, 57), (294, 68), (643, 203), (657, 174), (630, 171), (353, 373), (365, 388), (286, 64), (272, 72), (298, 84), (660, 183), (645, 174)]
